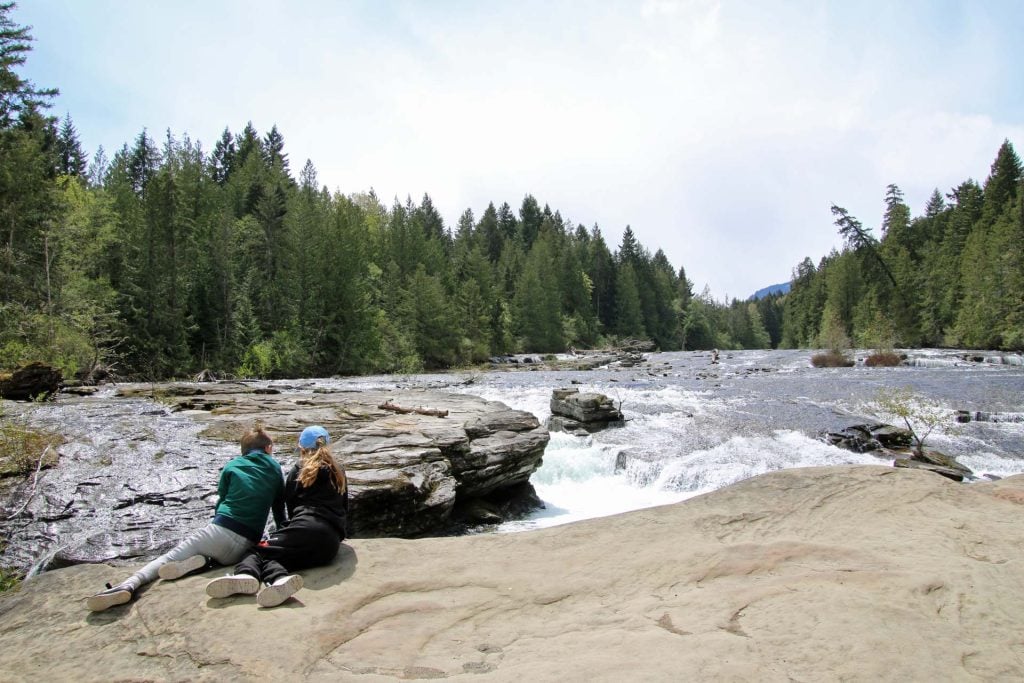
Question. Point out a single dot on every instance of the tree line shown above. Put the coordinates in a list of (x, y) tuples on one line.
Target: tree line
[(952, 277), (166, 259)]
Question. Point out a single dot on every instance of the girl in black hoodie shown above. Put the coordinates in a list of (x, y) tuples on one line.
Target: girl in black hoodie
[(316, 501)]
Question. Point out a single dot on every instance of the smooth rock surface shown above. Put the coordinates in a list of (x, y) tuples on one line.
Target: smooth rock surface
[(406, 471), (844, 573)]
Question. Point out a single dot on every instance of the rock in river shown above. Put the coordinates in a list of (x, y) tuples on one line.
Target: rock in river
[(582, 412)]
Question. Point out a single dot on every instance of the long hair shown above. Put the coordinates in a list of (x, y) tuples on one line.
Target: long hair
[(316, 457)]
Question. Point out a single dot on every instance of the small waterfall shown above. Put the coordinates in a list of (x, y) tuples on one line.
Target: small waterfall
[(933, 362)]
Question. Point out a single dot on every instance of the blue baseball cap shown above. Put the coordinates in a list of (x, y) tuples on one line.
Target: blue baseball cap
[(309, 435)]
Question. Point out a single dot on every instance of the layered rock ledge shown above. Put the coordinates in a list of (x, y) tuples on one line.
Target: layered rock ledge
[(406, 470), (410, 474), (842, 573)]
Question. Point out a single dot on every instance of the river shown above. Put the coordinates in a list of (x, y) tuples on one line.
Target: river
[(693, 426)]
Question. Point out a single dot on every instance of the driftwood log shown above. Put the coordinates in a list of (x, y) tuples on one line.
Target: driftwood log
[(388, 405)]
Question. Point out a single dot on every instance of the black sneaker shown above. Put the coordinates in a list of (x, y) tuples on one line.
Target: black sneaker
[(114, 595)]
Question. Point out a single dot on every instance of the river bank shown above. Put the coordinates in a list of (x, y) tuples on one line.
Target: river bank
[(838, 573), (692, 426)]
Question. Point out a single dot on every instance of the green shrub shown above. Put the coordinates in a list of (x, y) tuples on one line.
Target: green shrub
[(9, 579), (920, 414), (283, 355), (258, 361)]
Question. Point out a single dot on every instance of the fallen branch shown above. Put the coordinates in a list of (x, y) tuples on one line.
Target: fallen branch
[(388, 405)]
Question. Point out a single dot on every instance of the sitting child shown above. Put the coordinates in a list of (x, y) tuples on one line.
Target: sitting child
[(316, 498), (249, 486)]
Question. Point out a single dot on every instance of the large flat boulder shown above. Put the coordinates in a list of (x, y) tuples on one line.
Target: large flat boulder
[(817, 574), (407, 472)]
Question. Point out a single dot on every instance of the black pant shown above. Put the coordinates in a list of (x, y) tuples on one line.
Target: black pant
[(306, 541)]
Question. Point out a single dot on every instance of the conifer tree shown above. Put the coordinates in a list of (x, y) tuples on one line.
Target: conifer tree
[(601, 271), (223, 161), (530, 218), (70, 158), (18, 96), (629, 317)]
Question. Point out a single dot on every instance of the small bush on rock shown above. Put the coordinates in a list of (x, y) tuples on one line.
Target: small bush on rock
[(883, 359), (831, 359), (22, 447), (921, 415), (9, 579)]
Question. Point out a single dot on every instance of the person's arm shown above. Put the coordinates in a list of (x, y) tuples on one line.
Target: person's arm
[(223, 484), (281, 506), (278, 509)]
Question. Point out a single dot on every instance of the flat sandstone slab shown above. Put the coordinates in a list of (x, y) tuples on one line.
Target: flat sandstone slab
[(843, 573)]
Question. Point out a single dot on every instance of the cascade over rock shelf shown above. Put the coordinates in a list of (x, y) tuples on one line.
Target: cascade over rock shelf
[(857, 573)]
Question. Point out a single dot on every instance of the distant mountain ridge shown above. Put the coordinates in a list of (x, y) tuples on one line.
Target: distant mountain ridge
[(782, 288)]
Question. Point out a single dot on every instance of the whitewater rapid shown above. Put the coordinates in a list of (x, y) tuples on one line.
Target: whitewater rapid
[(693, 427)]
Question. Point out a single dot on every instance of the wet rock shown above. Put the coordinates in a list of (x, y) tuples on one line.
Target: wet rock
[(97, 374), (630, 360), (510, 502), (890, 436), (964, 416), (941, 460), (622, 461), (406, 472), (30, 382), (78, 389), (584, 411), (910, 463), (557, 423), (477, 511), (865, 438)]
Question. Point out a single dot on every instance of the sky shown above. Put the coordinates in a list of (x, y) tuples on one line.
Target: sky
[(720, 131)]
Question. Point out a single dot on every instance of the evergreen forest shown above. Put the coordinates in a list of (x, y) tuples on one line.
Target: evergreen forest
[(164, 259)]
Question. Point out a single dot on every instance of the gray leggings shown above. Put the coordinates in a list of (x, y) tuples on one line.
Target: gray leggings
[(211, 541)]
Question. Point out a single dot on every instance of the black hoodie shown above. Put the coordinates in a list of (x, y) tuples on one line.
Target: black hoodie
[(320, 499)]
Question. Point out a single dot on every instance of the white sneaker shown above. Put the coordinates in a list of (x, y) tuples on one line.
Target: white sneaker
[(114, 595), (274, 594), (233, 584), (177, 569)]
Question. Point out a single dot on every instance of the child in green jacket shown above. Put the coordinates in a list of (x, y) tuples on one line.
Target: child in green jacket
[(249, 486)]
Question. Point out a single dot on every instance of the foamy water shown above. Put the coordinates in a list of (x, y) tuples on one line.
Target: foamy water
[(692, 426), (689, 433)]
